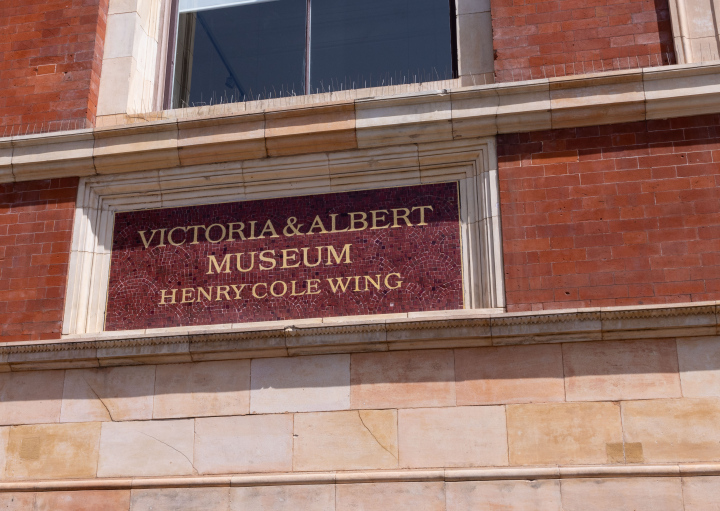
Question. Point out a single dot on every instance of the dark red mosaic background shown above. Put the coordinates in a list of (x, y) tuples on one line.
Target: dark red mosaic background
[(428, 258)]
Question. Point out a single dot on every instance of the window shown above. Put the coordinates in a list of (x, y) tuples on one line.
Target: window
[(236, 50)]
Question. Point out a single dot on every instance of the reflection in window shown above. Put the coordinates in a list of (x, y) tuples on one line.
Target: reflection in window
[(236, 50)]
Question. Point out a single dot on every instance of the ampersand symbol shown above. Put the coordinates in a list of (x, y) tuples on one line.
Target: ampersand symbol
[(291, 225)]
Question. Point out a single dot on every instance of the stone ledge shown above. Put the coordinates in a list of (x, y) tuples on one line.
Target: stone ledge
[(348, 122), (454, 329), (373, 476)]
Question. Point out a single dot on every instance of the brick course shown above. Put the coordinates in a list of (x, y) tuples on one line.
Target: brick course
[(540, 38), (36, 220), (50, 58), (621, 214)]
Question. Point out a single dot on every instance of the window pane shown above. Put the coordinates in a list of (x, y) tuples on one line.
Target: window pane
[(256, 50), (363, 43)]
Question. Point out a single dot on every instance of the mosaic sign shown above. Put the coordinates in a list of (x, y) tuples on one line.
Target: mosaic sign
[(342, 254)]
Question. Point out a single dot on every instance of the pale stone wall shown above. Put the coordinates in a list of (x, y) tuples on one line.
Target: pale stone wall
[(382, 430)]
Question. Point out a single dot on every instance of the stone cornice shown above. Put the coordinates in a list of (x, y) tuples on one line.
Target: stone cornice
[(373, 476), (346, 335), (265, 129)]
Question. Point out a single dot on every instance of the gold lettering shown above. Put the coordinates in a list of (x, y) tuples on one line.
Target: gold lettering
[(312, 286), (397, 217), (147, 242), (206, 294), (162, 238), (291, 258), (195, 233), (238, 291), (255, 287), (317, 223), (268, 259), (363, 217), (376, 285), (357, 284), (305, 257), (332, 217), (252, 262), (338, 284), (399, 282), (422, 213), (376, 217), (222, 290), (293, 293), (269, 227), (207, 233), (187, 295), (164, 296), (272, 288), (252, 230), (231, 230), (170, 237), (218, 267), (345, 252)]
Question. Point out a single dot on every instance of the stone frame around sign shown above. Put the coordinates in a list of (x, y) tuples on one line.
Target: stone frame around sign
[(473, 163)]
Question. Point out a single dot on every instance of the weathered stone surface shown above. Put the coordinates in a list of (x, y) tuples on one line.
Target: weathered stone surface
[(562, 433), (252, 443), (395, 496), (540, 495), (110, 500), (699, 367), (630, 494), (202, 389), (617, 370), (4, 438), (512, 374), (701, 493), (146, 448), (109, 394), (32, 397), (176, 499), (17, 501), (352, 440), (674, 430), (465, 436), (319, 497), (300, 384), (403, 379), (53, 451)]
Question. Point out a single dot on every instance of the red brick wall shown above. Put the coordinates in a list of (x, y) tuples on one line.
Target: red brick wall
[(541, 38), (612, 215), (35, 234), (50, 57)]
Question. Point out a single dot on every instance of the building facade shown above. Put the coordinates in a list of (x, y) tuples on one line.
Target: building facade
[(301, 254)]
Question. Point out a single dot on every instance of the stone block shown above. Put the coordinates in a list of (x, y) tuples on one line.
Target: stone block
[(562, 433), (403, 379), (202, 389), (4, 438), (216, 140), (621, 370), (110, 394), (674, 430), (352, 440), (113, 500), (53, 451), (701, 493), (30, 397), (17, 501), (252, 443), (475, 44), (413, 496), (464, 436), (539, 495), (699, 361), (148, 448), (631, 494), (300, 384), (320, 497), (185, 499), (512, 374)]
